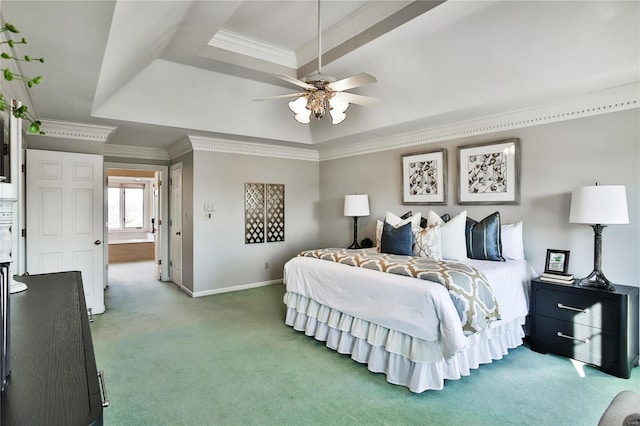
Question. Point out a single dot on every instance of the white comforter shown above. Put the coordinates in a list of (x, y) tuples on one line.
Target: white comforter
[(415, 307)]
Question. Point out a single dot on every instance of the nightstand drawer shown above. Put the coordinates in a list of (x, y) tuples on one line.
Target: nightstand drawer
[(577, 308), (587, 344)]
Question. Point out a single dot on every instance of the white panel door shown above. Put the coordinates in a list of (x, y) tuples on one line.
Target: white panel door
[(65, 226), (175, 224)]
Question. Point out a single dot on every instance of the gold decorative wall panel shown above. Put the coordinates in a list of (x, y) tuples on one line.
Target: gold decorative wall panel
[(275, 212), (263, 212), (254, 213)]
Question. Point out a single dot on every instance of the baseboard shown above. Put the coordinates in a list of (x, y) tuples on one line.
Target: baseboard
[(234, 288)]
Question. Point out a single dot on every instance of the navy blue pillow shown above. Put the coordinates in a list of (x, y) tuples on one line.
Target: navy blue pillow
[(397, 240), (445, 218), (483, 238)]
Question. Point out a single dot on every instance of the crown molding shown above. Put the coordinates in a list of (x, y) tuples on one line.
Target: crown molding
[(179, 148), (135, 152), (248, 148), (69, 130), (254, 48), (611, 100)]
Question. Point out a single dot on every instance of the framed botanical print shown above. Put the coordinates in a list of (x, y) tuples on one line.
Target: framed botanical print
[(489, 173), (424, 178), (557, 262)]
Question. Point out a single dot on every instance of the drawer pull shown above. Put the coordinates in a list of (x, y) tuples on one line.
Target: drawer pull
[(571, 308), (103, 387), (564, 336)]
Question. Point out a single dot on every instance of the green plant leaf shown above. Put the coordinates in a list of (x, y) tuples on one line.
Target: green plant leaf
[(34, 128), (10, 43), (5, 55), (8, 75), (37, 80), (11, 28), (27, 58)]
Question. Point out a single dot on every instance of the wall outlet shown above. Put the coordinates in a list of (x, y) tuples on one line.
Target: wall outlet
[(208, 215)]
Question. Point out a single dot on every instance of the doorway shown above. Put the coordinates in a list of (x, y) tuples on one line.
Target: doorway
[(136, 212)]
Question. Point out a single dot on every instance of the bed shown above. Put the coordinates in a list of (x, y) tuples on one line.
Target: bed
[(408, 328)]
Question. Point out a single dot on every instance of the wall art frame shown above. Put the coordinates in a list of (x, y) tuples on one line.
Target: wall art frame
[(489, 173), (424, 177)]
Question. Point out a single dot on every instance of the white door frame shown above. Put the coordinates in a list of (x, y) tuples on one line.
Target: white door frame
[(175, 226), (163, 194)]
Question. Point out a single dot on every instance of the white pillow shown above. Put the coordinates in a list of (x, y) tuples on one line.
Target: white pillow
[(512, 245), (453, 238), (396, 221), (427, 242)]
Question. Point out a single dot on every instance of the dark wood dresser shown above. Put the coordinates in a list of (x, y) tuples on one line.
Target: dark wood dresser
[(595, 326), (54, 380)]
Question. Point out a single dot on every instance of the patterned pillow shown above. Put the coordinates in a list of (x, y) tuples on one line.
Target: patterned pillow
[(427, 243), (397, 240), (483, 238)]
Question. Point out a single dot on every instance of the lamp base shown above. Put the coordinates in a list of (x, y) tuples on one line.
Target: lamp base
[(354, 245), (596, 279)]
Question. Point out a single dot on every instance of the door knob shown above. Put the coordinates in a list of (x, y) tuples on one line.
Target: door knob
[(97, 242)]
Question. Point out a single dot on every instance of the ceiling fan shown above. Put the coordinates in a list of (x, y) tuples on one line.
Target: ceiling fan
[(324, 93)]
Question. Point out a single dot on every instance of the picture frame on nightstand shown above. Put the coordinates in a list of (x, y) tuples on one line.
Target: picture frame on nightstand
[(557, 262)]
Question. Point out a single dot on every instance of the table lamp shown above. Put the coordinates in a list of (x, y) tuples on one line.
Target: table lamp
[(356, 206), (598, 206)]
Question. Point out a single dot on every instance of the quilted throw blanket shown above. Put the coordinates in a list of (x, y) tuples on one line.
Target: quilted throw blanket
[(470, 292)]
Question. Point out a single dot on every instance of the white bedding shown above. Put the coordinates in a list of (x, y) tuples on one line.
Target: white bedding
[(411, 324)]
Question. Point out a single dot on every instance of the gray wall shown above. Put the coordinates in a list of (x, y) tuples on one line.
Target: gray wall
[(556, 158), (221, 259)]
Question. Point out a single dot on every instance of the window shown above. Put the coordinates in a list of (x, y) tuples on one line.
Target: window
[(127, 206)]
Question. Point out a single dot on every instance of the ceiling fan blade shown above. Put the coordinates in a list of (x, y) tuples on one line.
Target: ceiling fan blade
[(295, 81), (352, 98), (351, 82), (288, 95)]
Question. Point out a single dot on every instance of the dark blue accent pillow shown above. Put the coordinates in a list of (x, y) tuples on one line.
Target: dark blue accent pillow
[(423, 221), (483, 238), (397, 240)]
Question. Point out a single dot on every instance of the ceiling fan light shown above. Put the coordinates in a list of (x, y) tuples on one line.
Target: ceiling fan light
[(338, 103), (299, 106), (303, 117), (337, 117)]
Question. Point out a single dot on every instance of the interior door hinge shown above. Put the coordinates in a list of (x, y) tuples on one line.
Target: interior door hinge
[(23, 167), (23, 233), (159, 261), (159, 222)]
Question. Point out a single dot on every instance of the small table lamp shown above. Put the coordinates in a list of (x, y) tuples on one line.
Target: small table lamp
[(598, 206), (356, 206)]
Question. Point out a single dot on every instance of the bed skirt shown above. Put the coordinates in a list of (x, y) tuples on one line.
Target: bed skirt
[(407, 361)]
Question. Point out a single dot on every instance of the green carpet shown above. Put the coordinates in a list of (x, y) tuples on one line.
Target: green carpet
[(229, 359)]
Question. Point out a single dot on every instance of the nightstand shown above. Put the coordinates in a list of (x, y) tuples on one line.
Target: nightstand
[(595, 326)]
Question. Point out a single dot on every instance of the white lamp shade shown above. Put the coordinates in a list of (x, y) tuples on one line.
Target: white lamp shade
[(356, 205), (599, 205)]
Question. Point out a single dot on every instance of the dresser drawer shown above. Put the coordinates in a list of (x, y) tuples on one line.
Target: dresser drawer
[(577, 308), (587, 344)]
